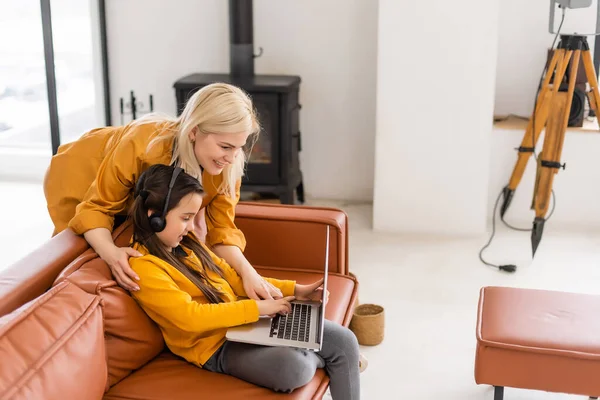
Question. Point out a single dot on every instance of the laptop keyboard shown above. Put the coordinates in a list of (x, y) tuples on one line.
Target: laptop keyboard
[(294, 326)]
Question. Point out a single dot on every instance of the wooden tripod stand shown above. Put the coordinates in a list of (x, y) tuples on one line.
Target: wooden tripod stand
[(552, 111)]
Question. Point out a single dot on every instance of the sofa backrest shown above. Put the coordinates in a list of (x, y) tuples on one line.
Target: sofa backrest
[(31, 276), (131, 337), (293, 237), (52, 348)]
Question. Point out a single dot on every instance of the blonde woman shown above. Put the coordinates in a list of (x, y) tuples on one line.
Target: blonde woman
[(89, 184)]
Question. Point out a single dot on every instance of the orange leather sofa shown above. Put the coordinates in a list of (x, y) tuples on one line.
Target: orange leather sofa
[(68, 331), (539, 340)]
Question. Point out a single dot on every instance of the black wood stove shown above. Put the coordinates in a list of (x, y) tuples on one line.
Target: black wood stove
[(274, 165)]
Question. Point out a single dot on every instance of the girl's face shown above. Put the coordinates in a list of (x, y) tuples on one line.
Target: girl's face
[(180, 220), (216, 150)]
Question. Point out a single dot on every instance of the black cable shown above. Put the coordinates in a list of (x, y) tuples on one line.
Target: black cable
[(507, 267), (529, 229), (513, 267)]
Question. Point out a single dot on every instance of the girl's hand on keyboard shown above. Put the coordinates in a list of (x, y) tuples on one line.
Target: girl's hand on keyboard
[(272, 307), (311, 292)]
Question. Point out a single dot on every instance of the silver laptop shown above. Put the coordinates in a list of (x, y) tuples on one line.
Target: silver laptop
[(301, 328)]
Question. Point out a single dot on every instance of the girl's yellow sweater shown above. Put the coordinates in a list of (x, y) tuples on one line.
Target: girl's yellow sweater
[(193, 328)]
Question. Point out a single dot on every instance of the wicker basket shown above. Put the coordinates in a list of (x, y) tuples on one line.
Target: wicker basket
[(368, 324)]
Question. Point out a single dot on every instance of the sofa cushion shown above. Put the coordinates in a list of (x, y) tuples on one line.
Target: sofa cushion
[(538, 339), (293, 237), (540, 321), (170, 377), (132, 338), (53, 347)]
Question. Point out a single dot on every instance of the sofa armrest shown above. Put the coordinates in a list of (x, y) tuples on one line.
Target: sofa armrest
[(34, 274), (293, 237)]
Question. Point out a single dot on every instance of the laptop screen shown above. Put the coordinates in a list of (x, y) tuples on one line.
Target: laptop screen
[(324, 298), (326, 264)]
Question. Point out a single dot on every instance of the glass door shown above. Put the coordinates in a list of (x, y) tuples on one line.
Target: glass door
[(52, 80), (78, 109), (24, 118)]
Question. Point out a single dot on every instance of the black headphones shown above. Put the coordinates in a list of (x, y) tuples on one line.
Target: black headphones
[(157, 219)]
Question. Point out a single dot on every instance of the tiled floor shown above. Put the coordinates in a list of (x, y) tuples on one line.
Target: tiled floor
[(429, 287)]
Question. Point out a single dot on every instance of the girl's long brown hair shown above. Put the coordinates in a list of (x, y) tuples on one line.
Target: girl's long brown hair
[(151, 193)]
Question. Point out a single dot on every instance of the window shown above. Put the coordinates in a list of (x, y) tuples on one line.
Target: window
[(24, 120), (29, 130)]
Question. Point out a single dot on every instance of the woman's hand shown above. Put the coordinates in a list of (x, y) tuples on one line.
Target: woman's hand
[(258, 288), (271, 307), (311, 292), (117, 259)]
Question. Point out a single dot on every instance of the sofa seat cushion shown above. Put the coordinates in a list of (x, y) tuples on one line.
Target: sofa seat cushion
[(170, 377), (342, 290), (538, 339), (53, 347)]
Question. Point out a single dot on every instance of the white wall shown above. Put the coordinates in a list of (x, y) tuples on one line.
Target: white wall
[(152, 43), (523, 41), (435, 95), (331, 45)]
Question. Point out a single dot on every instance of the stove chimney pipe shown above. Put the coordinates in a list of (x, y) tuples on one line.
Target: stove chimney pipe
[(241, 38)]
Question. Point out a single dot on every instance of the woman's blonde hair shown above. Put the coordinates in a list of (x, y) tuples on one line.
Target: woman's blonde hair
[(214, 109)]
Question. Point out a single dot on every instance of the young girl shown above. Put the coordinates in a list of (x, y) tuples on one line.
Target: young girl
[(194, 296)]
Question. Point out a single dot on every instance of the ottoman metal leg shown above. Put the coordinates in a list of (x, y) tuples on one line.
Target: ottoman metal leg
[(498, 392)]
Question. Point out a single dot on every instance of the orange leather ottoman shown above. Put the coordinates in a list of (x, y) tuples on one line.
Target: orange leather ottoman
[(538, 339)]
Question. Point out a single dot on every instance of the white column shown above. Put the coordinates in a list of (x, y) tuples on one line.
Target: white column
[(435, 98)]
